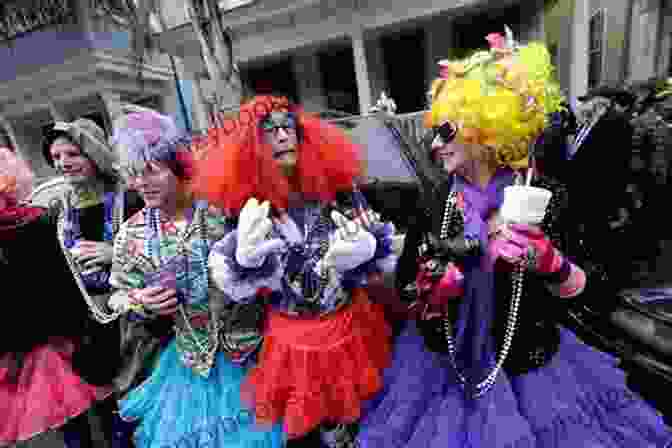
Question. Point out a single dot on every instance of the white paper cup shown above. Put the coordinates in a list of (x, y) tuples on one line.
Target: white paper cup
[(525, 205)]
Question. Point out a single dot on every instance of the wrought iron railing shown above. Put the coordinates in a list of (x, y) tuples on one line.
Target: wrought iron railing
[(21, 17), (410, 124)]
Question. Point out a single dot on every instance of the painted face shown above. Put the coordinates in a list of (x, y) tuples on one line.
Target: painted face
[(280, 133), (446, 150), (157, 185), (71, 162)]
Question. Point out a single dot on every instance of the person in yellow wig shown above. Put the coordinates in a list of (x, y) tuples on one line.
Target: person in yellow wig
[(486, 364)]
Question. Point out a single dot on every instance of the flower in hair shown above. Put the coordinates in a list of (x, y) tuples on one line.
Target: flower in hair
[(499, 98), (496, 41)]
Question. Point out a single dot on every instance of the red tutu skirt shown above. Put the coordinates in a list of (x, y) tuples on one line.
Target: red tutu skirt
[(319, 370), (45, 393)]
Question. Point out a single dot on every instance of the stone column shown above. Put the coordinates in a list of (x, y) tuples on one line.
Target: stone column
[(580, 46), (361, 70), (200, 106)]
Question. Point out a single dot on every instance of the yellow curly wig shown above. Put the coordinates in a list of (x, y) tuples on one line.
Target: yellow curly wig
[(499, 98)]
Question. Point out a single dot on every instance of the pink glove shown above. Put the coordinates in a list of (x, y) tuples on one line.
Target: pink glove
[(527, 245), (435, 294), (449, 287), (439, 291), (522, 244)]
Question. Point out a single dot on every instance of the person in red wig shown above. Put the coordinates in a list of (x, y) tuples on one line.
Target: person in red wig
[(305, 244)]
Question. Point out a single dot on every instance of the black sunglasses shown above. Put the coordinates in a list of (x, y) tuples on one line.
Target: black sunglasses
[(447, 131)]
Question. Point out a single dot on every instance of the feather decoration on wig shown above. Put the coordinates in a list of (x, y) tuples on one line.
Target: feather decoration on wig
[(16, 179), (142, 136), (499, 98)]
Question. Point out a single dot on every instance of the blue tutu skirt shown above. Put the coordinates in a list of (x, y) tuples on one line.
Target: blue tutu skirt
[(578, 400), (178, 409)]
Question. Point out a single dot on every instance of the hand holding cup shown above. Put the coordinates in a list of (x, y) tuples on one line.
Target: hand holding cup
[(518, 239)]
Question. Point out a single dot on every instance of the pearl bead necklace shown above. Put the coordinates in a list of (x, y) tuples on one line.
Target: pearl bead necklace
[(512, 319), (206, 352), (117, 216)]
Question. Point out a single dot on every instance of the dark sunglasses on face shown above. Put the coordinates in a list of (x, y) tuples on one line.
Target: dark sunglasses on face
[(447, 131)]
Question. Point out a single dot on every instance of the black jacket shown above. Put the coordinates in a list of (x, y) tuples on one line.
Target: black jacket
[(537, 335), (40, 296)]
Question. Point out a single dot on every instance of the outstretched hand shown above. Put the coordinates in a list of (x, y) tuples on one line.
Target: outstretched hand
[(350, 245), (254, 225)]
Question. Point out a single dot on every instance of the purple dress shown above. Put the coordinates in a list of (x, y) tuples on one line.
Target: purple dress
[(554, 391)]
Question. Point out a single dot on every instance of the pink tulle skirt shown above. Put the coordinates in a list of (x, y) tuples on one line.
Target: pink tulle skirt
[(44, 394)]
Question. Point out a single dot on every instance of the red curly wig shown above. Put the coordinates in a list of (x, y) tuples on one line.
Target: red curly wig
[(238, 165)]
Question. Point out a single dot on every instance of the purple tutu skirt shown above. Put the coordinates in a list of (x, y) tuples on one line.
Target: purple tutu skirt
[(578, 400)]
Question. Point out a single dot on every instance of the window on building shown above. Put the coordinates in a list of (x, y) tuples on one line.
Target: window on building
[(340, 91), (272, 78), (407, 88), (468, 30), (596, 48)]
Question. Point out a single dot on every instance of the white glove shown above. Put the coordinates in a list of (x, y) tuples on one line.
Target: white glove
[(254, 225), (288, 228), (350, 246)]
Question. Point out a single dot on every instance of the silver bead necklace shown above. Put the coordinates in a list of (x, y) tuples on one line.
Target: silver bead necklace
[(512, 320)]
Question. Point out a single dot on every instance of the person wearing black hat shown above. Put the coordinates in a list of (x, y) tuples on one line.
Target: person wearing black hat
[(603, 145)]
